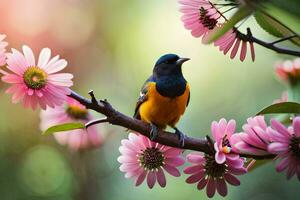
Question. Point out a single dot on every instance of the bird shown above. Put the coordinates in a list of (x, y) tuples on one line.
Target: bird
[(164, 96)]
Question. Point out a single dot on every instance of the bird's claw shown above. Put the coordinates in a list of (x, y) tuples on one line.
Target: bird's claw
[(181, 136), (153, 132)]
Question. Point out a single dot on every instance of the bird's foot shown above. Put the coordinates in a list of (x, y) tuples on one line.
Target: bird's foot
[(153, 132), (181, 136)]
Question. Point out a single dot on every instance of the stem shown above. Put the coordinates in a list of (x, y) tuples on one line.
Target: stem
[(166, 138)]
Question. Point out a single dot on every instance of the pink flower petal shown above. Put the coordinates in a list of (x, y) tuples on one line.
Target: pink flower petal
[(231, 179), (220, 157), (29, 56), (193, 169), (221, 187), (235, 48), (280, 127), (243, 51), (282, 165), (161, 179), (252, 51), (195, 177), (141, 178), (211, 188), (277, 147), (195, 158), (44, 57), (172, 152), (175, 161), (172, 170), (56, 66), (202, 183), (151, 179)]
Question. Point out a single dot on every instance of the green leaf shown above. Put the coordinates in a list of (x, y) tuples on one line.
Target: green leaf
[(241, 13), (262, 21), (284, 107), (63, 127), (254, 164), (291, 6), (275, 27)]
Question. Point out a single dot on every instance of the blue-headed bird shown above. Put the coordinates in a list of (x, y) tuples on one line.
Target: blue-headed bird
[(164, 96)]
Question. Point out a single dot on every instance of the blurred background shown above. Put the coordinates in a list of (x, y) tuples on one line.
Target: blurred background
[(111, 47)]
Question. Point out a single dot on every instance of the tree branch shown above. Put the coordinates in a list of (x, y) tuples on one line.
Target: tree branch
[(249, 37), (164, 137)]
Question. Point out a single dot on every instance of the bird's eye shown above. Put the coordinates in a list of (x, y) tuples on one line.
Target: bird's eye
[(169, 61)]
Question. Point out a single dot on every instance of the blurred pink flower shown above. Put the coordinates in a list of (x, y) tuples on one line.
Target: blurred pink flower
[(141, 158), (288, 70), (284, 98), (286, 145), (233, 39), (37, 83), (207, 172), (72, 111), (199, 16), (222, 132), (254, 139), (3, 45)]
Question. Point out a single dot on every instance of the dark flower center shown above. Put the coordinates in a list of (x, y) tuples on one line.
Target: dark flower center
[(151, 158), (213, 169), (77, 112), (295, 146), (35, 78), (206, 20)]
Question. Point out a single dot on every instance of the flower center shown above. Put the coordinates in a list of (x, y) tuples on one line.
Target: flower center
[(206, 20), (35, 78), (226, 145), (213, 169), (151, 159), (77, 112), (295, 146)]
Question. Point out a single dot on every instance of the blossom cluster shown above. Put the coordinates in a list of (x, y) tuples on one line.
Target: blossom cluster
[(38, 82), (202, 18), (143, 159)]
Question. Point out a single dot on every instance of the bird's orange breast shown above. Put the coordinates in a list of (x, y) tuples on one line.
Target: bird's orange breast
[(161, 110)]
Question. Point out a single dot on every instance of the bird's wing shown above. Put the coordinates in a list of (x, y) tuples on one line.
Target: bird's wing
[(142, 98)]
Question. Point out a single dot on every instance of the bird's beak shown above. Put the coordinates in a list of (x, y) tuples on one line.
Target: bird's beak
[(182, 60)]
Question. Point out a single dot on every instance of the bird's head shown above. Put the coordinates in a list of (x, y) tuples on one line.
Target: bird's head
[(169, 64)]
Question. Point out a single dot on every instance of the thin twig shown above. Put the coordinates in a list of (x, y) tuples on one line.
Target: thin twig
[(166, 138), (283, 39)]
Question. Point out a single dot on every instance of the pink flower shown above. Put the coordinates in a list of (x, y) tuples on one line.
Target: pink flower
[(37, 83), (222, 132), (288, 70), (283, 98), (254, 139), (233, 39), (286, 145), (141, 158), (3, 45), (72, 111), (199, 16), (207, 172)]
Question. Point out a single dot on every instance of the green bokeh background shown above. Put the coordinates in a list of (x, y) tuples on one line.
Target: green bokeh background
[(111, 46)]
